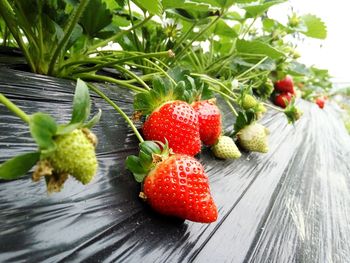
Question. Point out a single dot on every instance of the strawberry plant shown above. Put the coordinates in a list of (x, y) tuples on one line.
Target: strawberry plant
[(63, 150)]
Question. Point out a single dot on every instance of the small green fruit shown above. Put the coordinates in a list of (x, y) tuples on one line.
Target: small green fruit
[(226, 148), (75, 155), (248, 102)]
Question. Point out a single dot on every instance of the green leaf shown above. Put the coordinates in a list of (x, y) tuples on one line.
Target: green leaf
[(91, 123), (316, 28), (200, 6), (96, 16), (81, 103), (152, 6), (43, 127), (18, 166), (133, 164), (258, 47), (222, 29), (259, 9), (296, 68)]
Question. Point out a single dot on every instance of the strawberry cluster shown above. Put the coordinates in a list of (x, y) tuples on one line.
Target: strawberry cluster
[(284, 91)]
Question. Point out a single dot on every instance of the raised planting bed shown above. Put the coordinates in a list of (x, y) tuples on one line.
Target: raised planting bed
[(291, 204)]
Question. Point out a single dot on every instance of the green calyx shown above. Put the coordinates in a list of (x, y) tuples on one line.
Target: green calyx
[(178, 85), (151, 153), (292, 113)]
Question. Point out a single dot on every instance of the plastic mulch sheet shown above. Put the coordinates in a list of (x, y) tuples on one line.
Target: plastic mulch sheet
[(289, 205)]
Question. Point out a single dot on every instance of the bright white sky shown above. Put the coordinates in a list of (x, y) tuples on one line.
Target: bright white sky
[(334, 52)]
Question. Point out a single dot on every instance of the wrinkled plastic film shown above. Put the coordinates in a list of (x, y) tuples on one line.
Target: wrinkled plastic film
[(289, 205)]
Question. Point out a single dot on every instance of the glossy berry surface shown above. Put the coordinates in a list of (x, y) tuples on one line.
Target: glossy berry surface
[(285, 85), (177, 122), (209, 118), (179, 187)]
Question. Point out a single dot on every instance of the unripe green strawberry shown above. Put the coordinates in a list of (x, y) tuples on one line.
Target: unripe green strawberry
[(248, 102), (254, 138), (75, 155), (226, 148)]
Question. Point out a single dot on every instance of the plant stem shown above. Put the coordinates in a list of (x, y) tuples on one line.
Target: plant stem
[(119, 34), (67, 33), (161, 70), (223, 94), (119, 110), (231, 107), (12, 107), (9, 16), (251, 68), (133, 76), (87, 76), (272, 107), (118, 61), (196, 37), (214, 81)]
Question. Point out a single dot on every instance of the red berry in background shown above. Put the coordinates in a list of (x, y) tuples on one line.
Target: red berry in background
[(280, 99), (209, 117), (285, 85), (177, 122), (320, 101)]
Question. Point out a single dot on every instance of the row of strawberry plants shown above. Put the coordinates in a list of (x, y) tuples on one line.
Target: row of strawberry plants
[(177, 85)]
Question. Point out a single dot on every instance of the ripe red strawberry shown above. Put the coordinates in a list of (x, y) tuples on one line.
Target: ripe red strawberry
[(209, 117), (176, 122), (174, 185), (178, 186), (320, 101), (285, 85), (280, 99)]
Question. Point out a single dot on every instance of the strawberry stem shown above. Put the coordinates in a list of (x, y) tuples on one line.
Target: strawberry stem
[(272, 107), (88, 76), (12, 107), (133, 75), (251, 68), (119, 110), (231, 107), (161, 70)]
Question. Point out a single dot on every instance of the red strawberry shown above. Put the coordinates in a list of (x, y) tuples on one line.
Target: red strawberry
[(280, 99), (176, 122), (320, 101), (178, 186), (285, 85), (173, 185), (209, 118)]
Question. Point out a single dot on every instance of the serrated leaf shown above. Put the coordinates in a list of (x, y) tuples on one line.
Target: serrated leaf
[(259, 48), (133, 164), (43, 127), (316, 28), (152, 6), (259, 9), (91, 123), (81, 103), (18, 166)]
